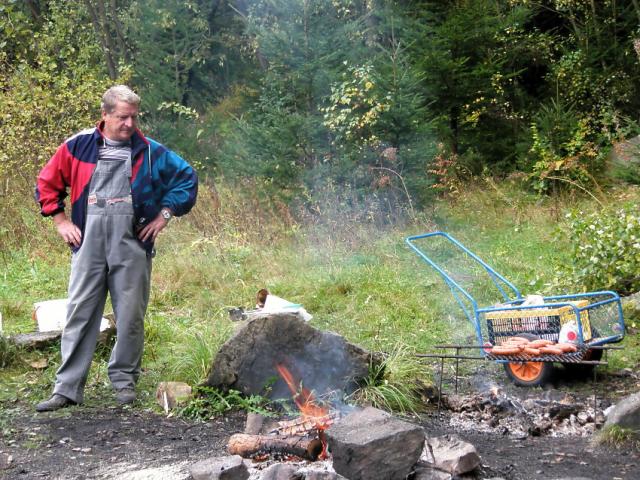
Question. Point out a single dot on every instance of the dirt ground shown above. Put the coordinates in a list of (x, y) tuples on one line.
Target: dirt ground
[(131, 443)]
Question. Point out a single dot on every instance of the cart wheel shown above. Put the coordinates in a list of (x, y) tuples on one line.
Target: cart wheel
[(529, 374)]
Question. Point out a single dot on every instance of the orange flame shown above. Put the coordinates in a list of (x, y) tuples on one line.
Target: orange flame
[(310, 410), (302, 397)]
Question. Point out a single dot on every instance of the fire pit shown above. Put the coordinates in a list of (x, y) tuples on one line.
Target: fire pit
[(303, 436), (362, 443)]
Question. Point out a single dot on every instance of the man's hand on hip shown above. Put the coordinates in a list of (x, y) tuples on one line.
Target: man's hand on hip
[(151, 230), (67, 230)]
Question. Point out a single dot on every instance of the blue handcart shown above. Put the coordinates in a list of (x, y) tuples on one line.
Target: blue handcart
[(588, 320)]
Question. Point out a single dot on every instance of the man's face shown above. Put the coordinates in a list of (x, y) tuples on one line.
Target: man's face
[(120, 124)]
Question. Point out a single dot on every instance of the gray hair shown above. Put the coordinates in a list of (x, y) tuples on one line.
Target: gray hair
[(118, 93)]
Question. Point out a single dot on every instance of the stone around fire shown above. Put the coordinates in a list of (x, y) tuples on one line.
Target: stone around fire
[(452, 454), (370, 444), (321, 361), (220, 468), (626, 413), (279, 471)]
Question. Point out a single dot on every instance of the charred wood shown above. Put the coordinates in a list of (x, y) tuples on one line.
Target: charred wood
[(246, 445)]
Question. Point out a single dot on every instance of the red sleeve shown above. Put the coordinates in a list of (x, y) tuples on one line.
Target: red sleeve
[(53, 181)]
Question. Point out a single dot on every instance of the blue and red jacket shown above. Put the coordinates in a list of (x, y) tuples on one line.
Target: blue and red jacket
[(160, 178)]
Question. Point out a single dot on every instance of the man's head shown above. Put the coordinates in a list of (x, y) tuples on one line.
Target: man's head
[(120, 113)]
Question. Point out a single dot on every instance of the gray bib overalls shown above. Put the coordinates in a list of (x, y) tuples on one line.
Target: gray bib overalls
[(110, 260)]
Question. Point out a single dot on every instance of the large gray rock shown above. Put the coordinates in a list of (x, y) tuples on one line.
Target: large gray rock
[(220, 468), (322, 361), (626, 413), (370, 444), (451, 454)]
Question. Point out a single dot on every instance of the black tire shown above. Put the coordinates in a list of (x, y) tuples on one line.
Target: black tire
[(529, 374), (576, 370)]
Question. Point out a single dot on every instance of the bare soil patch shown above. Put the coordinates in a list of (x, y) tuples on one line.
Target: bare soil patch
[(133, 443), (110, 442)]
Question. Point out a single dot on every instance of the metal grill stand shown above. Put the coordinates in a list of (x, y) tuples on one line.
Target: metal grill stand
[(576, 358)]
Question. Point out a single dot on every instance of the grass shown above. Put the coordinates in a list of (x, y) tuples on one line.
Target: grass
[(355, 278), (619, 437), (395, 384)]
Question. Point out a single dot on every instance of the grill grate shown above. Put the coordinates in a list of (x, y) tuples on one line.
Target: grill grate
[(569, 357)]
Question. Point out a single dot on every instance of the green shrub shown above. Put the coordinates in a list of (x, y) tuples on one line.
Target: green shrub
[(565, 148), (208, 402), (605, 247)]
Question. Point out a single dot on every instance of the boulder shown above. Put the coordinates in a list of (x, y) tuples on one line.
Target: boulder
[(370, 444), (322, 361), (452, 454), (220, 468), (626, 413)]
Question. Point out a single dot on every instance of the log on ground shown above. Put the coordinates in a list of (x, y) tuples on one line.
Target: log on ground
[(246, 445)]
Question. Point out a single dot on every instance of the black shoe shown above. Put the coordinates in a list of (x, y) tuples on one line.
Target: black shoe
[(56, 402), (125, 396)]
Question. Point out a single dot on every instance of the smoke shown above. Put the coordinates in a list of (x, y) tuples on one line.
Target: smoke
[(327, 367)]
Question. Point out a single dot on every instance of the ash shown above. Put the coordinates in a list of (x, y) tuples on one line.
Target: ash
[(302, 467), (552, 413)]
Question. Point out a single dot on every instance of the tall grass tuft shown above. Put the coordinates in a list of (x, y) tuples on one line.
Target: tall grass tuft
[(394, 384), (8, 352), (193, 356), (619, 437)]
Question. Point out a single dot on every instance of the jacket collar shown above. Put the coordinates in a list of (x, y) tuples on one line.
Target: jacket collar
[(138, 141)]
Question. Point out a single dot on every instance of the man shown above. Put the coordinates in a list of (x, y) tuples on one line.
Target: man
[(125, 188)]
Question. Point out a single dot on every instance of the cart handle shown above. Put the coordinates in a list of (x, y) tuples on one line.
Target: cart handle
[(497, 279)]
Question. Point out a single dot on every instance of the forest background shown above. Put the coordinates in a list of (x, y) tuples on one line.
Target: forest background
[(321, 129)]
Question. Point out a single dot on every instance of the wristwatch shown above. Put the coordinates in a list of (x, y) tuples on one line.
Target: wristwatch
[(166, 214)]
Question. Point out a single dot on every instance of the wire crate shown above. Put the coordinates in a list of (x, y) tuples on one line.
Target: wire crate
[(544, 322)]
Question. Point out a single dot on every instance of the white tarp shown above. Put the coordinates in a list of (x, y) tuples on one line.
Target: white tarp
[(274, 304), (51, 315)]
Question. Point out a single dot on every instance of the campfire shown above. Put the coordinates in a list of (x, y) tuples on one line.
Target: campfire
[(323, 436), (302, 437)]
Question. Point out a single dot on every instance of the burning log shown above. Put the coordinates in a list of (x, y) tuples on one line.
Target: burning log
[(303, 425), (246, 445)]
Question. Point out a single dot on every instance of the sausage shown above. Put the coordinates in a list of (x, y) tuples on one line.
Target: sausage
[(517, 340), (551, 350), (566, 347), (506, 350), (513, 345), (531, 351), (540, 342)]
